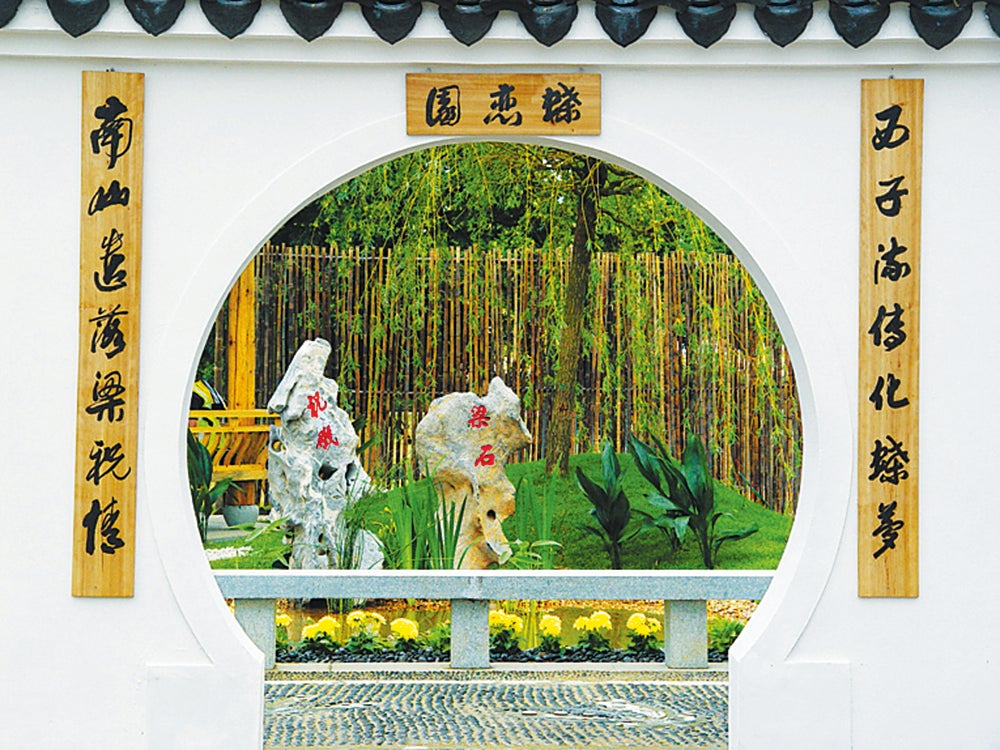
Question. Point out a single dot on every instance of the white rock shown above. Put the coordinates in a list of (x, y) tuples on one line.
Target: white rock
[(463, 443), (313, 469)]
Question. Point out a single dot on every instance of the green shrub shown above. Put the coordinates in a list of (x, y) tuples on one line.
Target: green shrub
[(685, 492), (611, 507), (722, 633)]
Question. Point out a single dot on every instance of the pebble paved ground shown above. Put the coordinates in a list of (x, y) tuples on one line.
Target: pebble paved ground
[(501, 709)]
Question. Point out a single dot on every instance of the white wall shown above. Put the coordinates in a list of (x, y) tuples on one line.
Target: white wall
[(763, 142)]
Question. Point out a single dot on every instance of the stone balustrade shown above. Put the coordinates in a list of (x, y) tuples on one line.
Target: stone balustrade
[(683, 592)]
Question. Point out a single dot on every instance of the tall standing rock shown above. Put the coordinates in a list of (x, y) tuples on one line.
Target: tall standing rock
[(313, 470), (463, 443)]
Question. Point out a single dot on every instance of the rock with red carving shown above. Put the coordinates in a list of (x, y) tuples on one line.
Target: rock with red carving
[(463, 444), (313, 471)]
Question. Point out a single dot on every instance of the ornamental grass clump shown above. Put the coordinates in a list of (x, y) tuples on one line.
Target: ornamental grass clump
[(504, 629), (642, 632), (549, 630), (591, 637)]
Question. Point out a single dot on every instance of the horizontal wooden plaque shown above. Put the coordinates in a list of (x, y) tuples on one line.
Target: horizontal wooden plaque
[(108, 372), (889, 337), (503, 104)]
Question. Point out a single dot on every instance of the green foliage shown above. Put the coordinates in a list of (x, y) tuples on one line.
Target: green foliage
[(439, 636), (533, 522), (611, 506), (418, 532), (685, 493), (488, 194), (206, 495), (269, 548), (504, 629), (583, 550), (722, 633), (579, 549)]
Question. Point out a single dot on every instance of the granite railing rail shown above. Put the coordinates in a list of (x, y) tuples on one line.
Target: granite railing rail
[(683, 592)]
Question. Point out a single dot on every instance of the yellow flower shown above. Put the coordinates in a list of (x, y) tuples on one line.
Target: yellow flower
[(405, 629), (355, 619), (328, 625), (283, 620), (641, 625), (550, 625), (581, 623), (600, 620), (500, 620), (370, 622), (325, 625), (636, 621)]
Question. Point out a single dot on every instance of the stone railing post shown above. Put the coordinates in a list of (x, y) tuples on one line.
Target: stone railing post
[(256, 617), (470, 634), (685, 638)]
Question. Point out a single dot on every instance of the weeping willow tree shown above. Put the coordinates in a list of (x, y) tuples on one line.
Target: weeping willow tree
[(495, 195)]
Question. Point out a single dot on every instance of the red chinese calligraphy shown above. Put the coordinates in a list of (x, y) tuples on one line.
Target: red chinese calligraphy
[(326, 438), (316, 404), (485, 458), (478, 417)]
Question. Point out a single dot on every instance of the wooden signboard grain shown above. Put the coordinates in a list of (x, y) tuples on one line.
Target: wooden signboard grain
[(889, 337), (108, 371), (501, 104)]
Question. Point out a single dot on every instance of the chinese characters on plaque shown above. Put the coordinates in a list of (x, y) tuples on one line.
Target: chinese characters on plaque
[(516, 104), (888, 353), (108, 372)]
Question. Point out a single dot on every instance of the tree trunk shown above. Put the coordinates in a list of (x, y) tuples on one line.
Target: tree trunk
[(559, 439)]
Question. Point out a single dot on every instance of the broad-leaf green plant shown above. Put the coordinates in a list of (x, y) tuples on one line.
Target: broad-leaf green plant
[(206, 495), (611, 505), (685, 492)]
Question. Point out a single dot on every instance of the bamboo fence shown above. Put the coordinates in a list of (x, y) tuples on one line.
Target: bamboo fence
[(673, 342)]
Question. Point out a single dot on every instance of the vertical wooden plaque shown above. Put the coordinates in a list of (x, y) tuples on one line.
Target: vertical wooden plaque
[(108, 372), (889, 336)]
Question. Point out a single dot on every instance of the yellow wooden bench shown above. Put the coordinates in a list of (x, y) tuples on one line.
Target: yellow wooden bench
[(236, 439)]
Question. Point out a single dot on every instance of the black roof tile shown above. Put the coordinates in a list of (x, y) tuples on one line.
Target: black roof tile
[(937, 22)]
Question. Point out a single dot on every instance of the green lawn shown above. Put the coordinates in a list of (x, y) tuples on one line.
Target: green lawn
[(647, 550)]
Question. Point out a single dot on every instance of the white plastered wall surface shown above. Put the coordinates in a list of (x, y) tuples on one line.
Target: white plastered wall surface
[(762, 142)]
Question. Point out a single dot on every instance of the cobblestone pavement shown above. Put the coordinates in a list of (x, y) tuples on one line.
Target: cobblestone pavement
[(522, 711)]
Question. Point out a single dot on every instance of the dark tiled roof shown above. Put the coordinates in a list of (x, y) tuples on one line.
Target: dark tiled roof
[(937, 22)]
